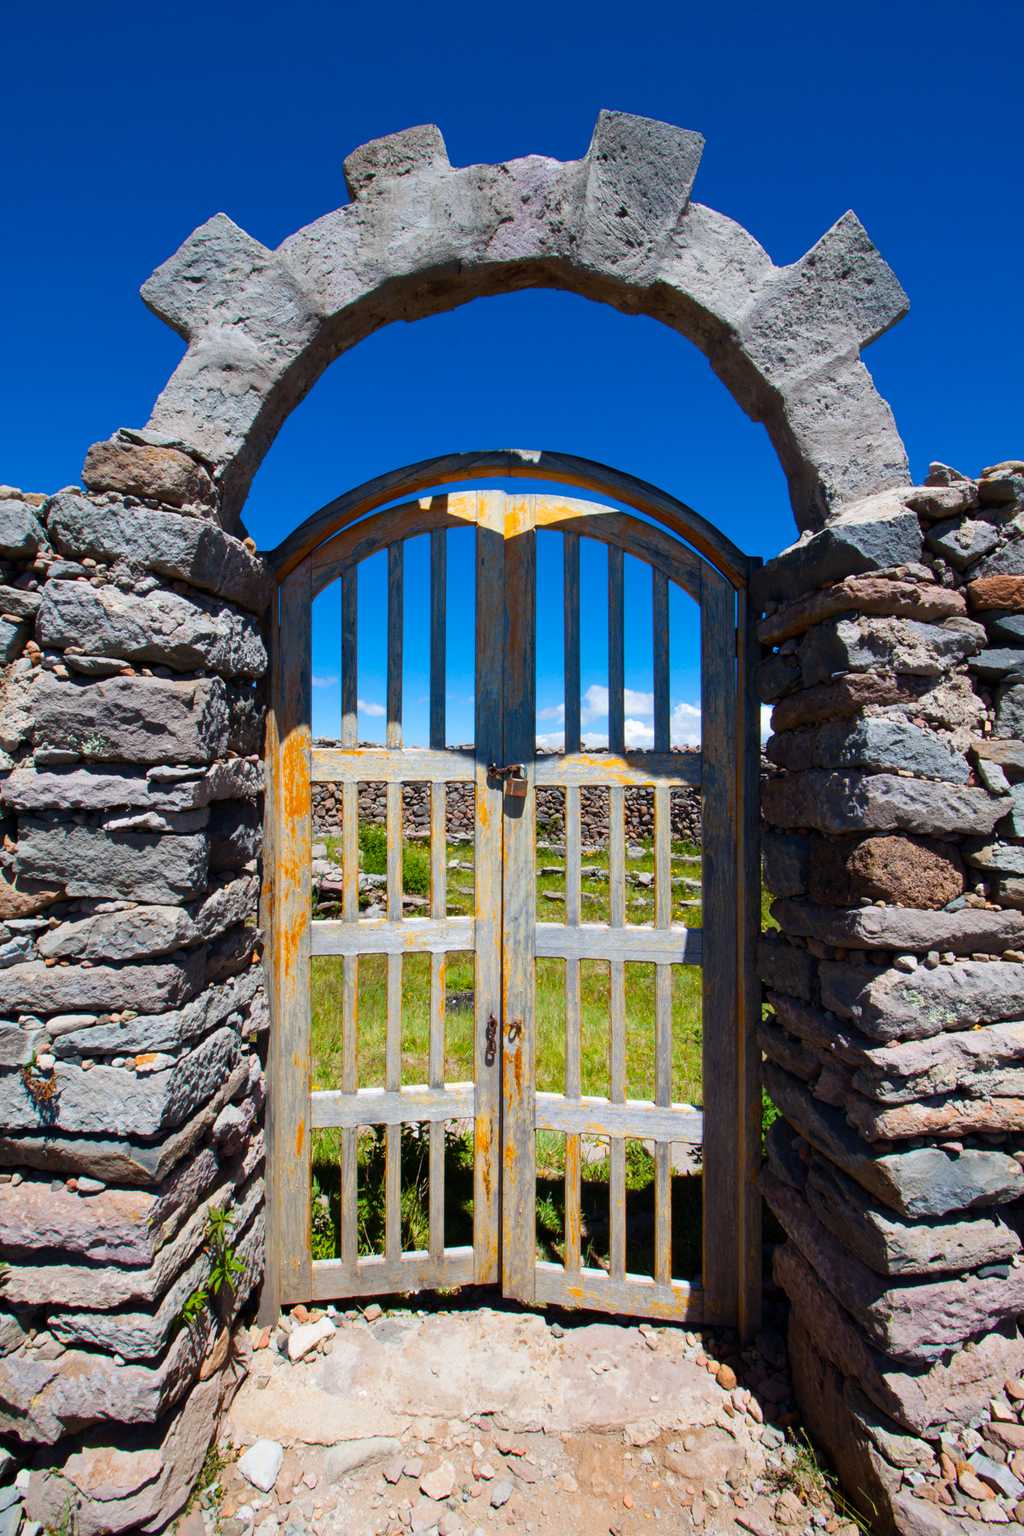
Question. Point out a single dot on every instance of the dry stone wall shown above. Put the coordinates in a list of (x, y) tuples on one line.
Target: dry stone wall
[(459, 810), (894, 1047), (131, 1000)]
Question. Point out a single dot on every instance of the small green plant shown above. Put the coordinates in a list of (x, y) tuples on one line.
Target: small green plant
[(217, 1458), (814, 1484), (224, 1270), (67, 1524), (770, 1112), (324, 1245)]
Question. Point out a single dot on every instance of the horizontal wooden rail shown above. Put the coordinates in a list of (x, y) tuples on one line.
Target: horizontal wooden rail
[(673, 770), (679, 1301), (379, 765), (376, 1275), (392, 1106), (379, 936), (599, 941), (637, 1118)]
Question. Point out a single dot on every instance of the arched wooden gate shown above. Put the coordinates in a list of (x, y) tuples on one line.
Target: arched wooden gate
[(503, 931)]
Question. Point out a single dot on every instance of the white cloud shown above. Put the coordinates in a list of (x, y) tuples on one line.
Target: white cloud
[(551, 741), (766, 722), (595, 703), (685, 725), (638, 734), (368, 707), (552, 712), (324, 680)]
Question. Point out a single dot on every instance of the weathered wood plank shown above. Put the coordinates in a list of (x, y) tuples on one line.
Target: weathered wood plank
[(396, 642), (571, 639), (379, 936), (616, 655), (438, 635), (375, 1275), (719, 811), (674, 769), (635, 1118), (381, 765), (512, 463), (392, 1193), (660, 647), (350, 658), (352, 546), (349, 1199), (636, 1295), (573, 1202), (288, 1117), (623, 533), (490, 650), (748, 1010), (519, 1156), (598, 941), (383, 1106)]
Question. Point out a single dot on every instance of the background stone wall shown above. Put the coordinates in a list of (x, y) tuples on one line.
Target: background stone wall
[(686, 823), (130, 996), (895, 1051)]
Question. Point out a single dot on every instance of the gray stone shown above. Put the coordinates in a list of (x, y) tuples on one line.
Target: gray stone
[(875, 742), (965, 932), (161, 627), (235, 836), (34, 987), (996, 663), (186, 549), (946, 1115), (347, 1455), (20, 532), (982, 1060), (130, 1163), (891, 1244), (962, 540), (141, 469), (881, 802), (94, 789), (777, 676), (89, 861), (786, 968), (786, 862), (131, 719), (1010, 710), (889, 1005), (951, 1390), (19, 602), (261, 1464), (894, 645), (19, 1042), (12, 639), (639, 176), (1005, 625), (920, 1181), (1001, 858), (113, 1488), (996, 1475), (1007, 561), (914, 1322), (115, 1102), (163, 1031), (877, 534), (132, 935)]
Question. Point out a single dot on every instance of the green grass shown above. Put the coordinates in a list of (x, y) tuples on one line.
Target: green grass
[(327, 975)]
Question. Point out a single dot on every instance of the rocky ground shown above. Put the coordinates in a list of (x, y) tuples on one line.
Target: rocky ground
[(480, 1421)]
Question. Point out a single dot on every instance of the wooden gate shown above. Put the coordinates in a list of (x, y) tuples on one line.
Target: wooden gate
[(504, 772)]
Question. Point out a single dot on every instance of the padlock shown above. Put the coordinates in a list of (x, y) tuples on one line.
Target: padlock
[(515, 781)]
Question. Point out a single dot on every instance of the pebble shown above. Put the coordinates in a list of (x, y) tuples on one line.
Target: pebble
[(501, 1493)]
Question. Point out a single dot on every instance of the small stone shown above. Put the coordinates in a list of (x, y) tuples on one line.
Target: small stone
[(971, 1484), (261, 1463), (726, 1377), (438, 1483), (501, 1493), (372, 1312), (393, 1470)]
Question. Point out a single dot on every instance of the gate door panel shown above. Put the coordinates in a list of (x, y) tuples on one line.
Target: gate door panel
[(498, 1110)]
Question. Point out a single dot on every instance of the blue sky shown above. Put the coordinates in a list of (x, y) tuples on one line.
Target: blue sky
[(122, 127)]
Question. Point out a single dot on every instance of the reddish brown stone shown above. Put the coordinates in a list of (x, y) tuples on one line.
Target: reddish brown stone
[(23, 898), (997, 592), (909, 871), (833, 701), (862, 594), (134, 469)]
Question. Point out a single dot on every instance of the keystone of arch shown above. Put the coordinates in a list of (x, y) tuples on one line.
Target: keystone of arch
[(420, 236)]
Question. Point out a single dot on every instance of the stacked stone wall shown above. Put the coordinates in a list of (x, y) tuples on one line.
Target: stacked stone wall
[(894, 847), (459, 809), (131, 1000)]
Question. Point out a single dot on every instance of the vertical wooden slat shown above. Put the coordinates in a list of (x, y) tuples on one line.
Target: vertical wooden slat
[(349, 657), (490, 650), (519, 1152), (663, 1035), (573, 1029), (748, 1011), (571, 632), (438, 634), (289, 1264), (616, 653), (718, 803), (396, 584), (660, 646), (573, 1202), (617, 1024), (438, 982)]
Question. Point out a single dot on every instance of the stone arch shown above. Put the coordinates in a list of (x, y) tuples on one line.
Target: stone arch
[(420, 236)]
